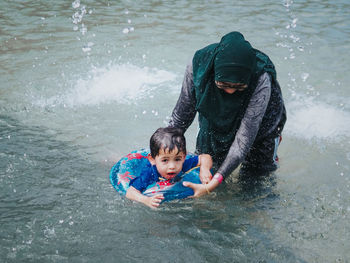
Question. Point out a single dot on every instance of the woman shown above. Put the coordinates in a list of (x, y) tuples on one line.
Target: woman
[(234, 89)]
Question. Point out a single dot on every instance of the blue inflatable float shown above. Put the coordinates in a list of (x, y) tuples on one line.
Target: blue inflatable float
[(130, 166)]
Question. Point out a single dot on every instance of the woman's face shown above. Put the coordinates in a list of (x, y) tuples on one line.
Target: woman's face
[(230, 87)]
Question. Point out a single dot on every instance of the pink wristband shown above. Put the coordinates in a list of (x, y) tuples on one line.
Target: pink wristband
[(218, 177)]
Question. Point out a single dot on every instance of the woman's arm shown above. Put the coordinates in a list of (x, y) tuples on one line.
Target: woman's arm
[(135, 195), (249, 127), (184, 111)]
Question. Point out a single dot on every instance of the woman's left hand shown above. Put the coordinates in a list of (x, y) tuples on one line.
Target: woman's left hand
[(202, 189), (198, 189)]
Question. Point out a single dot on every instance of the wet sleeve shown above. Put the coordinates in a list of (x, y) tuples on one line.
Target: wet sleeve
[(249, 126), (190, 163), (184, 111), (141, 182)]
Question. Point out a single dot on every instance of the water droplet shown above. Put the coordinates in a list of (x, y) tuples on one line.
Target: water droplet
[(83, 30), (76, 4), (86, 49), (304, 76), (125, 30)]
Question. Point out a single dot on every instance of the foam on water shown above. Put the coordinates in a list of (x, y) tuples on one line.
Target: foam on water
[(120, 83), (125, 84), (308, 119)]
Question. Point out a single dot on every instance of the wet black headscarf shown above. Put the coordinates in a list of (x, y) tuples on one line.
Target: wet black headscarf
[(232, 60)]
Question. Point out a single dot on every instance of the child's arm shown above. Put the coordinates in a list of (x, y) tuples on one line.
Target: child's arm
[(205, 162), (135, 195)]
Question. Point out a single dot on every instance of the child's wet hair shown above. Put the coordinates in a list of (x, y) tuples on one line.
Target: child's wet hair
[(167, 139)]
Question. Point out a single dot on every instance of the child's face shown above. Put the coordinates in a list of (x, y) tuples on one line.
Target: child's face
[(169, 164)]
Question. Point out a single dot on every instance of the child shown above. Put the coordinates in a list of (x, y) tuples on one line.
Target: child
[(167, 160)]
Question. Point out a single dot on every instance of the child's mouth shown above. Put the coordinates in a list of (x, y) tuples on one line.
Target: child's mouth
[(171, 174)]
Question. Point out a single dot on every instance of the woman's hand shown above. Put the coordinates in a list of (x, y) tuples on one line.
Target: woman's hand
[(202, 189), (198, 189)]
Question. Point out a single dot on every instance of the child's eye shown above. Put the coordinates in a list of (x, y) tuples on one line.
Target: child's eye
[(164, 161)]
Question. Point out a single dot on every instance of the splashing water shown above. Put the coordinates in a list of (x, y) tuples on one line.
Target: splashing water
[(309, 119), (118, 84)]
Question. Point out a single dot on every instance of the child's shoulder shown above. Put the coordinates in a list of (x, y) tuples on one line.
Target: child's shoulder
[(190, 162), (191, 157)]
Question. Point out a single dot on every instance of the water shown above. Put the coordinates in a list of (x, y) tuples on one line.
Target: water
[(85, 82)]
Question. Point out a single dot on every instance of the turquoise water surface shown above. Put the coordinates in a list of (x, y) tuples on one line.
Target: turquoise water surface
[(83, 83)]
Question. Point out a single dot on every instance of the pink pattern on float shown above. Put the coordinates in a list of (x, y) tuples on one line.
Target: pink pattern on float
[(132, 156), (126, 177), (162, 185), (165, 182)]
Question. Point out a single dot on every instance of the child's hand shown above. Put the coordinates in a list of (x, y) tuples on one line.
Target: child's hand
[(205, 162), (154, 201)]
